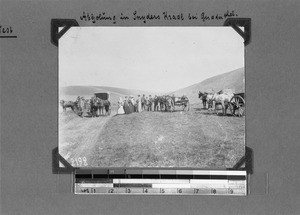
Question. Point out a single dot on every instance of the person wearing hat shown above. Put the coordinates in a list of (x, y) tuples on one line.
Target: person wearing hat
[(131, 104)]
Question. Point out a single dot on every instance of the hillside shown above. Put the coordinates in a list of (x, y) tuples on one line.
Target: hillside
[(192, 139), (229, 80), (233, 80), (71, 92)]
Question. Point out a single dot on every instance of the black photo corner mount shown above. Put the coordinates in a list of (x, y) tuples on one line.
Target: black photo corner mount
[(56, 160), (246, 160), (56, 24), (236, 23), (66, 24)]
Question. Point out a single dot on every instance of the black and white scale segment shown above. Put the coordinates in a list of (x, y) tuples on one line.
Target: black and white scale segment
[(162, 182)]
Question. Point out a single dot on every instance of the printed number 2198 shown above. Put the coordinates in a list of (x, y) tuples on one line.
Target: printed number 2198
[(79, 161)]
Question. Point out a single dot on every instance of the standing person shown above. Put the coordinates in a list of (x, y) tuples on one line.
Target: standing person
[(157, 103), (126, 106), (120, 107), (134, 104), (143, 102), (146, 104), (152, 103), (155, 99), (131, 104), (139, 104)]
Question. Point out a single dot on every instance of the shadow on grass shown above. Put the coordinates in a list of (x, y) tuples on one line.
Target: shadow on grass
[(90, 116), (199, 109), (219, 115), (87, 116)]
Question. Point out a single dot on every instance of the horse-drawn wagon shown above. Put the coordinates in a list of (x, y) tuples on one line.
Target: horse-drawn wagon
[(182, 102), (168, 103), (225, 98)]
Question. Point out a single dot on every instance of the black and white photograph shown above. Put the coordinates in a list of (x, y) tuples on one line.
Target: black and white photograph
[(163, 97), (149, 107)]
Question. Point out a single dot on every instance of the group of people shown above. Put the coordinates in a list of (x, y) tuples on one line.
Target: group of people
[(130, 105)]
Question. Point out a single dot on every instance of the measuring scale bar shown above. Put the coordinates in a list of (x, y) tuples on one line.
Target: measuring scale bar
[(164, 187)]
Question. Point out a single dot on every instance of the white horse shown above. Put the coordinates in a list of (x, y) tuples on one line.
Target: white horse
[(222, 99)]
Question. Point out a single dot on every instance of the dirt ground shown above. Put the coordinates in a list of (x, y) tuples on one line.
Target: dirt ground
[(195, 138)]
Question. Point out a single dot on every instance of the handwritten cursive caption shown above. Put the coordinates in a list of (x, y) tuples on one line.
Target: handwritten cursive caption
[(148, 17)]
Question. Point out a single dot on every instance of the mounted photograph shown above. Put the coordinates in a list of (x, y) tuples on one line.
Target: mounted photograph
[(151, 97)]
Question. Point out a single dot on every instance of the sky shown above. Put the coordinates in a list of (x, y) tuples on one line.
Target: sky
[(157, 59)]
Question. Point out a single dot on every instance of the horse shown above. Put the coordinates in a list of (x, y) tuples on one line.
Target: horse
[(87, 104), (161, 103), (67, 104), (203, 95), (156, 103), (107, 107), (169, 103), (98, 106), (223, 99), (93, 106)]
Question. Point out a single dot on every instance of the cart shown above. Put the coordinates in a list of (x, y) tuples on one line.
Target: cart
[(182, 102)]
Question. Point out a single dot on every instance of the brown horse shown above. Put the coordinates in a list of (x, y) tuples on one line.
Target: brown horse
[(96, 104), (158, 103), (107, 107), (163, 103), (100, 107), (100, 104), (203, 97), (93, 106)]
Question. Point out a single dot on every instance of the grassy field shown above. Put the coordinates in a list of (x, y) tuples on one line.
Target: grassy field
[(195, 139)]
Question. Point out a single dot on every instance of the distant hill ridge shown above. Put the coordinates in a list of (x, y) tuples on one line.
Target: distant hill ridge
[(71, 92), (230, 80)]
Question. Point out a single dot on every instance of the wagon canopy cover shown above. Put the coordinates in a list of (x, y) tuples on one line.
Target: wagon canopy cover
[(103, 96)]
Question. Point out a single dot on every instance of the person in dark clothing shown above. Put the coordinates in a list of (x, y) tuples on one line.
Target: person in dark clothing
[(131, 104), (126, 106)]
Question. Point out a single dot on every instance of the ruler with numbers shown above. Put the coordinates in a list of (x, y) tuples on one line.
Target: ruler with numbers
[(197, 182)]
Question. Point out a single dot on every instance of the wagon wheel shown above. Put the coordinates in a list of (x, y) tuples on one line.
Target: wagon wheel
[(185, 106), (237, 106), (188, 105), (172, 108)]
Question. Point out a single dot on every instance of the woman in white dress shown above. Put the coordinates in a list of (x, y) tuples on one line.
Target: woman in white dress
[(139, 104), (120, 107)]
